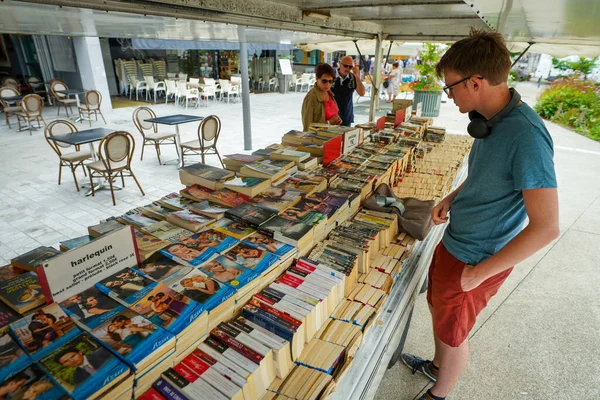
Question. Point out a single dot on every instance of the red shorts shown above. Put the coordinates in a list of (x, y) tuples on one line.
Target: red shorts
[(455, 311)]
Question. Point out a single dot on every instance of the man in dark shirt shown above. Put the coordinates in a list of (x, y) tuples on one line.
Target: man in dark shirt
[(346, 82)]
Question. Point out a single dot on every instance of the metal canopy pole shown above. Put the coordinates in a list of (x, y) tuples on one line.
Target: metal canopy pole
[(375, 79), (245, 88), (521, 55)]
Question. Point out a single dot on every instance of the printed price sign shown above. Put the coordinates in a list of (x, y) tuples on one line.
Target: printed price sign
[(79, 269)]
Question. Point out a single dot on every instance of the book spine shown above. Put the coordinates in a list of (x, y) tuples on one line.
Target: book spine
[(220, 368), (175, 378), (237, 345), (152, 394), (288, 290), (209, 374), (271, 310), (168, 391), (268, 323), (214, 353), (238, 358), (243, 338), (259, 333)]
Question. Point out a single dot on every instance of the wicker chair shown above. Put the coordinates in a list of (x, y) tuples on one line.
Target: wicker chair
[(93, 101), (115, 152), (9, 110), (208, 135), (37, 86), (11, 82), (33, 105), (61, 98), (150, 133), (72, 159)]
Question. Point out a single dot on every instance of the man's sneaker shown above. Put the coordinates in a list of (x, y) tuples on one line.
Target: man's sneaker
[(417, 364)]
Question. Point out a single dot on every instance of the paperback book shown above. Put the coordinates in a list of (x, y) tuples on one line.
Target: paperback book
[(250, 214), (175, 202), (198, 286), (91, 307), (136, 219), (252, 257), (280, 249), (7, 317), (44, 330), (187, 254), (232, 228), (228, 198), (196, 192), (29, 381), (75, 243), (126, 286), (210, 239), (104, 227), (84, 368), (248, 186), (189, 220), (226, 271), (34, 258), (209, 209), (132, 338), (148, 244), (154, 210), (277, 198), (23, 292), (159, 267), (166, 231), (12, 357), (167, 308), (203, 175)]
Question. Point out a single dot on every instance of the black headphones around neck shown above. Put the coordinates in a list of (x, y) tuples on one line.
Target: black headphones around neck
[(480, 128)]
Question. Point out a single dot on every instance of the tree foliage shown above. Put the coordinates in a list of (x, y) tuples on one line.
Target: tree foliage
[(583, 65)]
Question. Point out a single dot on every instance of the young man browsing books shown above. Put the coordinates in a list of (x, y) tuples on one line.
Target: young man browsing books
[(511, 178)]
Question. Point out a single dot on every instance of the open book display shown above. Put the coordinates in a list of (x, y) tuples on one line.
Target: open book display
[(269, 293)]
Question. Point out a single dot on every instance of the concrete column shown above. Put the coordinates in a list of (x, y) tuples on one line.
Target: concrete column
[(376, 78), (91, 67), (245, 88)]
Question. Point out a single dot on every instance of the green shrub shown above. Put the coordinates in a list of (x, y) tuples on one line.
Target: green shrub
[(575, 96)]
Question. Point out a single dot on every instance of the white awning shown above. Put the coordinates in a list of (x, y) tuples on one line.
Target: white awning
[(154, 44), (365, 46)]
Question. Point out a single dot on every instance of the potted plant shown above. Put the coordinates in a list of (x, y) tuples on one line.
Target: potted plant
[(427, 89)]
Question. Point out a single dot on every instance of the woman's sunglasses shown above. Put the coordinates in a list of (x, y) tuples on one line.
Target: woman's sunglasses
[(330, 81)]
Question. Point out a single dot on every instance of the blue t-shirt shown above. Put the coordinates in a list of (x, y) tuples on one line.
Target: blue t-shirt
[(489, 210)]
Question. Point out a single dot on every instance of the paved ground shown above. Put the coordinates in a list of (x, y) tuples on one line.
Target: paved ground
[(538, 338)]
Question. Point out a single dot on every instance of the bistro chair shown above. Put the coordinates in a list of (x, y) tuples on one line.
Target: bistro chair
[(9, 110), (61, 98), (208, 91), (183, 77), (274, 84), (32, 105), (93, 102), (149, 131), (115, 153), (234, 91), (11, 82), (225, 87), (72, 159), (37, 86), (206, 144)]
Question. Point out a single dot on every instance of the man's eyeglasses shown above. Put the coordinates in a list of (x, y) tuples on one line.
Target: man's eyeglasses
[(448, 89), (347, 65), (326, 81)]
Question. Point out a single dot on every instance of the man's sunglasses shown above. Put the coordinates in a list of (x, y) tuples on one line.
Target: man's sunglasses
[(326, 81), (448, 89), (347, 65)]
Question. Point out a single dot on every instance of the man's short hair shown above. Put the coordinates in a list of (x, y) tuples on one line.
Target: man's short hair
[(323, 69), (63, 352), (482, 53)]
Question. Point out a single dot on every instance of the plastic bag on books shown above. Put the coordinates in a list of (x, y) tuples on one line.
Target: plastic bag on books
[(416, 218)]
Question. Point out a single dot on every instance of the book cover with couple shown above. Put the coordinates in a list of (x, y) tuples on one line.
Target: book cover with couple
[(198, 286), (12, 357), (30, 382), (252, 257), (229, 272), (280, 249), (44, 330)]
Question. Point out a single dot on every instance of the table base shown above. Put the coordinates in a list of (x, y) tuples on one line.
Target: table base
[(100, 186)]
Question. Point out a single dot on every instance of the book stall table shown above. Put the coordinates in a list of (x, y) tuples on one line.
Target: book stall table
[(383, 343), (176, 120), (87, 136)]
